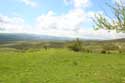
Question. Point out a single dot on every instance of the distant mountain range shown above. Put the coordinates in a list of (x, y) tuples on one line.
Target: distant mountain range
[(26, 37), (30, 37)]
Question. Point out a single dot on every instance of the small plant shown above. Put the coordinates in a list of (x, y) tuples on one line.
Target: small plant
[(75, 63)]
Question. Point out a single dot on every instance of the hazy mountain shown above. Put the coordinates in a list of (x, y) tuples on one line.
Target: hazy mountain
[(26, 37), (22, 37)]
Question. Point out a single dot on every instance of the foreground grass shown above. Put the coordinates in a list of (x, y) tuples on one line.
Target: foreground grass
[(61, 66)]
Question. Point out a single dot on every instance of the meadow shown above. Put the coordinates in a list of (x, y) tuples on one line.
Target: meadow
[(59, 65)]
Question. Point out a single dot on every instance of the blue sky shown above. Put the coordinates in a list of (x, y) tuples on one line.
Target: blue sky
[(69, 18), (12, 7)]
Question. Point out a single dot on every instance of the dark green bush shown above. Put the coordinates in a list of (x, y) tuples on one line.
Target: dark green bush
[(75, 45), (103, 51)]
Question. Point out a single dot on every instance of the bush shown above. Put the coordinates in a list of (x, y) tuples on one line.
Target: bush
[(103, 51), (120, 51), (76, 45), (46, 46)]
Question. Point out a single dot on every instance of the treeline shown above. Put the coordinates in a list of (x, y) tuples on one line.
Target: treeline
[(75, 45), (97, 46)]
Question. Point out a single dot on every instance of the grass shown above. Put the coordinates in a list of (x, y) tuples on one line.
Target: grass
[(61, 66)]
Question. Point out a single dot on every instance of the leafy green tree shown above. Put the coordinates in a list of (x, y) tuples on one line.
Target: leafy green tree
[(114, 22)]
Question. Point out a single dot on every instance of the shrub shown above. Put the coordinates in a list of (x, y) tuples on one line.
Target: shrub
[(103, 51), (75, 63), (120, 51), (76, 45)]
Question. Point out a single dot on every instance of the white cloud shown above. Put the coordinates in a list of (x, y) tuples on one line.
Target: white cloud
[(78, 3), (30, 3), (13, 24), (100, 34), (58, 25), (68, 21)]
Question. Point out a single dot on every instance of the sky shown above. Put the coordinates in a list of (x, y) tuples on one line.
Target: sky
[(62, 18)]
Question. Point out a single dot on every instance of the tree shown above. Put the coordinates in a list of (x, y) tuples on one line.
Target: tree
[(76, 45), (115, 22)]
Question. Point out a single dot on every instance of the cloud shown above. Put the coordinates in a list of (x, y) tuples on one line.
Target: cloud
[(78, 3), (61, 25), (68, 21), (100, 34), (30, 3), (12, 24)]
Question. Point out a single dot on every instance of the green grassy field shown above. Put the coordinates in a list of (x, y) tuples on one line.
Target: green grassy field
[(61, 66)]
